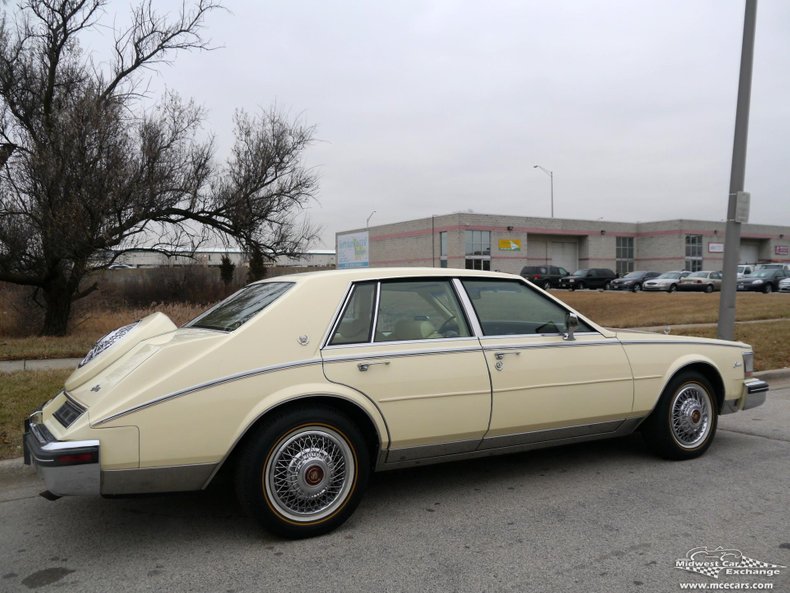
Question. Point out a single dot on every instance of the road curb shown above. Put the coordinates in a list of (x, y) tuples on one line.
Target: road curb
[(44, 364)]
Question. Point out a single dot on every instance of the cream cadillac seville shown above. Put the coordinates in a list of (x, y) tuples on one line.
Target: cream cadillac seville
[(303, 385)]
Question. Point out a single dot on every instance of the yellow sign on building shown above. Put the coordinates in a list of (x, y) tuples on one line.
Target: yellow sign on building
[(510, 245)]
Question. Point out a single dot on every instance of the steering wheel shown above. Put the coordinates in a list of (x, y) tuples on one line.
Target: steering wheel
[(449, 329)]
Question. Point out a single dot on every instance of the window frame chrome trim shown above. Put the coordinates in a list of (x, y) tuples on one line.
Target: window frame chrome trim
[(469, 310), (338, 315)]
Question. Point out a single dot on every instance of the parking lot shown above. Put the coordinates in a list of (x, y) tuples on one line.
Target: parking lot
[(605, 516)]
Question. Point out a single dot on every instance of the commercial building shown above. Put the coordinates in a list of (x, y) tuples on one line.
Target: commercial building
[(507, 243)]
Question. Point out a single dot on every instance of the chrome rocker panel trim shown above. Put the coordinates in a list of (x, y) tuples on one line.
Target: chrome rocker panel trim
[(428, 455)]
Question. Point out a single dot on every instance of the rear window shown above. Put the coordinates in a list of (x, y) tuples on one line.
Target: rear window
[(240, 307)]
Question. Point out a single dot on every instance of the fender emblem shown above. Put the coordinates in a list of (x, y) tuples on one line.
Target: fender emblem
[(96, 388)]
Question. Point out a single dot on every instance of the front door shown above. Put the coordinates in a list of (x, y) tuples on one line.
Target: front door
[(541, 381)]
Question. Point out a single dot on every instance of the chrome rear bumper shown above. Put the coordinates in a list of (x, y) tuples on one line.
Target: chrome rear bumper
[(67, 467)]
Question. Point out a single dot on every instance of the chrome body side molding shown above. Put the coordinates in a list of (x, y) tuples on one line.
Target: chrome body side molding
[(207, 385)]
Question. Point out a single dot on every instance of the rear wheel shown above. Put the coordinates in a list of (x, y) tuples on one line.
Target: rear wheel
[(546, 285), (303, 473), (683, 424)]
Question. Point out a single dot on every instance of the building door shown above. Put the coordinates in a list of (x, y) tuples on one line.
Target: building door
[(565, 254), (749, 253)]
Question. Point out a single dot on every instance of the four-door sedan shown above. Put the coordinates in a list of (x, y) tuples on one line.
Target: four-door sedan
[(765, 280), (705, 281), (303, 385), (784, 285), (632, 281), (588, 278), (668, 282)]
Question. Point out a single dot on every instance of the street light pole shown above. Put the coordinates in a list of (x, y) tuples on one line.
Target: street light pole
[(551, 177), (367, 222)]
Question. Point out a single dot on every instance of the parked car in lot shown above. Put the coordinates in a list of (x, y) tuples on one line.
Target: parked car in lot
[(765, 280), (668, 281), (744, 270), (301, 386), (588, 278), (633, 281), (705, 281), (544, 276), (784, 285), (774, 266)]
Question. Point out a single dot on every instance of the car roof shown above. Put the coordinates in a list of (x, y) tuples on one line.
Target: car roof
[(361, 274)]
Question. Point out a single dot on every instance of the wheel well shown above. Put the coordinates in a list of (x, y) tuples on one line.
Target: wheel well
[(359, 417), (712, 375)]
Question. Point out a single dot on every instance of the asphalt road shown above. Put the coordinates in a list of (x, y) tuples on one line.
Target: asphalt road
[(605, 516)]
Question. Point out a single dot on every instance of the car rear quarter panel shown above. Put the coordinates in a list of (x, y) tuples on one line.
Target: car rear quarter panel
[(192, 404)]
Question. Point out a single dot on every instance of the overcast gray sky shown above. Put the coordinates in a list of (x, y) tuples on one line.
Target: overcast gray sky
[(430, 107)]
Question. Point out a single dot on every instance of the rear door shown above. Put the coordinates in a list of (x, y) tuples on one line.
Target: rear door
[(407, 345)]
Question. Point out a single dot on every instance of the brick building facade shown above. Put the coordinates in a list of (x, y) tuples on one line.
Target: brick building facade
[(507, 243)]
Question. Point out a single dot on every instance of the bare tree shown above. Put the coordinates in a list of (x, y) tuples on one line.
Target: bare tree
[(86, 171)]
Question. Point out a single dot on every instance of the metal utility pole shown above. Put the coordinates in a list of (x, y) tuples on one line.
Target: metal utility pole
[(738, 204)]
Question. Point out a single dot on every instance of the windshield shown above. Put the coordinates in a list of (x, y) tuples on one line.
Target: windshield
[(698, 275), (670, 275), (241, 306), (634, 275), (580, 273), (763, 274)]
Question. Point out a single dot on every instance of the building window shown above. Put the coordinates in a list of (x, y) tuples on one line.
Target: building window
[(477, 248), (624, 255), (443, 249), (693, 253)]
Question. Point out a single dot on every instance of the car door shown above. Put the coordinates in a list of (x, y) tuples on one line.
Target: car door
[(541, 381), (408, 346)]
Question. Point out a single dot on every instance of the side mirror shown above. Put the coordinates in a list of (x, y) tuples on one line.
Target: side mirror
[(571, 323)]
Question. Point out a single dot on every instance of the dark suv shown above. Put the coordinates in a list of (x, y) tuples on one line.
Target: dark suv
[(588, 278), (544, 276)]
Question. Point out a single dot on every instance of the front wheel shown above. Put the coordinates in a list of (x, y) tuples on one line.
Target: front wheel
[(303, 473), (637, 287), (709, 288), (672, 287), (768, 289), (683, 424)]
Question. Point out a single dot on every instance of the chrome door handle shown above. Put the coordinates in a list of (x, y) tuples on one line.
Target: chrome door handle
[(364, 366), (501, 355)]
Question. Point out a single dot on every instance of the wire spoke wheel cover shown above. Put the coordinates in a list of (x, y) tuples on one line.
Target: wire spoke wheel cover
[(309, 473), (690, 417)]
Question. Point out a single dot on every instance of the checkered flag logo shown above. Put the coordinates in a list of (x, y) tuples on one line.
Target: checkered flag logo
[(712, 562)]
